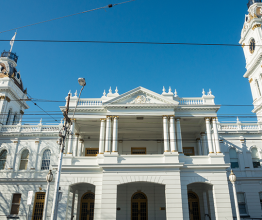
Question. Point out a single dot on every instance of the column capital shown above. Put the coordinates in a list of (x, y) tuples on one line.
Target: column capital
[(77, 134), (102, 119), (207, 118), (108, 116), (203, 133), (178, 119), (198, 139), (81, 140), (214, 118), (220, 141), (73, 119), (165, 116), (116, 117), (171, 116)]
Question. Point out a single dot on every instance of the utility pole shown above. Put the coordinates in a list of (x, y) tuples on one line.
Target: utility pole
[(61, 142)]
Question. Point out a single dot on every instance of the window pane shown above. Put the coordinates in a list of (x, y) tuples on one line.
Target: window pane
[(232, 153), (240, 198), (46, 155), (260, 196), (14, 209), (242, 209), (256, 164), (46, 160), (3, 154), (16, 198), (234, 165), (25, 154), (23, 165)]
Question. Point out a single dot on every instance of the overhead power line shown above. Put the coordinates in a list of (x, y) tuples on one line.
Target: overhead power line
[(129, 42), (66, 16)]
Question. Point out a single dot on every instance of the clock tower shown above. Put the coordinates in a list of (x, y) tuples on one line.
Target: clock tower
[(13, 96), (251, 41)]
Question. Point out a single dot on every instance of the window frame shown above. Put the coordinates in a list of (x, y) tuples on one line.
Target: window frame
[(8, 116), (236, 158), (12, 203), (245, 203), (4, 159), (138, 148), (260, 193), (91, 155), (46, 159), (24, 159), (255, 158), (192, 148)]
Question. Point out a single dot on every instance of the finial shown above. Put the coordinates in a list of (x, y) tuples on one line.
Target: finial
[(164, 90), (170, 90), (238, 120), (76, 93), (104, 93), (175, 93), (70, 92), (61, 122), (116, 90), (40, 123), (209, 93), (20, 121), (203, 92), (110, 90)]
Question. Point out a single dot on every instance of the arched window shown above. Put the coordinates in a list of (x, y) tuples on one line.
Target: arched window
[(8, 117), (24, 160), (233, 158), (255, 158), (3, 156), (46, 160), (139, 206)]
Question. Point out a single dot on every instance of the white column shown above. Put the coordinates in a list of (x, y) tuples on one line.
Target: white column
[(75, 143), (108, 134), (102, 136), (166, 137), (73, 205), (209, 138), (115, 134), (179, 136), (80, 148), (15, 154), (76, 204), (70, 142), (204, 143), (199, 146), (205, 203), (218, 150), (172, 130)]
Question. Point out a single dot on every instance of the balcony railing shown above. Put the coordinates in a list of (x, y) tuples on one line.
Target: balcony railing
[(239, 126), (251, 2), (29, 128), (10, 55)]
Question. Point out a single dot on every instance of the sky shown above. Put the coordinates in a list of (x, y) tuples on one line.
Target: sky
[(50, 70)]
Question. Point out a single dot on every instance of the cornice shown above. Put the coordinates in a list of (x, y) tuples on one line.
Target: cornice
[(254, 64)]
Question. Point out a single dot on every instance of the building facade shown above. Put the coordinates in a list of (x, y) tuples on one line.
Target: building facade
[(138, 155)]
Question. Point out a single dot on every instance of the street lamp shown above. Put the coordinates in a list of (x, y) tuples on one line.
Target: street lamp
[(233, 178), (61, 142), (49, 178)]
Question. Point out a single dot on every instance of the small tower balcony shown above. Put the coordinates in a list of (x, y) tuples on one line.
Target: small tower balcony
[(10, 55), (251, 2)]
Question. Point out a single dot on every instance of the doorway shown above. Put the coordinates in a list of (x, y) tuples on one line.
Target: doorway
[(193, 206), (87, 206), (139, 206)]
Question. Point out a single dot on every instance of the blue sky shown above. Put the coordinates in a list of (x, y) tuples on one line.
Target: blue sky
[(50, 70)]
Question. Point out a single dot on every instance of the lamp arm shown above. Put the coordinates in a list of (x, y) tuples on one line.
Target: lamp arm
[(78, 101)]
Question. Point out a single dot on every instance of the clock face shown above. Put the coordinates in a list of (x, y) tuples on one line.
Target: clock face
[(252, 45)]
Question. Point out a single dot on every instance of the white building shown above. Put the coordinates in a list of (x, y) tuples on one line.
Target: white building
[(139, 155)]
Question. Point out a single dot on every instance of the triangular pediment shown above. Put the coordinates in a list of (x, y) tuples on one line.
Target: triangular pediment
[(140, 96)]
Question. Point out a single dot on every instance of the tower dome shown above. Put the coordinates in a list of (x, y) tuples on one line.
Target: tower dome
[(251, 2)]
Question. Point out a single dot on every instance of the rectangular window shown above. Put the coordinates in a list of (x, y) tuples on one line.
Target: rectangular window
[(241, 203), (38, 206), (136, 150), (189, 151), (15, 204), (92, 151)]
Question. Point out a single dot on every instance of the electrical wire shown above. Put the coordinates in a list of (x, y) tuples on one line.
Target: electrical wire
[(131, 42), (66, 16)]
